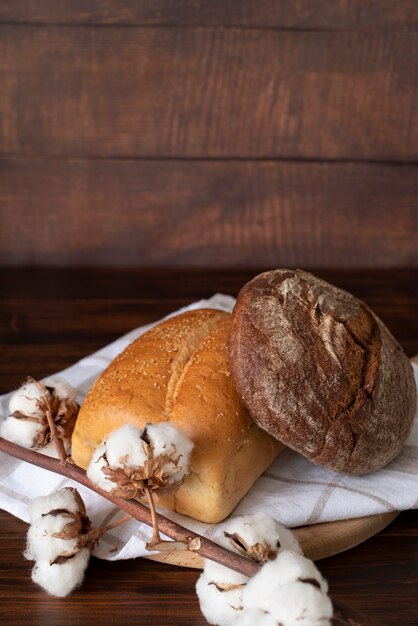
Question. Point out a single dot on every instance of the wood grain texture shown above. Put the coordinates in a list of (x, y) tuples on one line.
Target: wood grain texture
[(207, 214), (261, 14), (51, 318), (391, 555), (210, 92)]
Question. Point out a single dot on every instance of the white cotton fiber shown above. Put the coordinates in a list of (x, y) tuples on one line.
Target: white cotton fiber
[(166, 439), (63, 499), (301, 604), (62, 389), (95, 473), (25, 400), (260, 528), (218, 573), (218, 607), (291, 566), (24, 432), (251, 529), (19, 431), (124, 446), (41, 543), (287, 568), (50, 449), (60, 580)]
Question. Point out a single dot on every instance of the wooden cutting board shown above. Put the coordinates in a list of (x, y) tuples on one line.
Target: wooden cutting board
[(318, 541)]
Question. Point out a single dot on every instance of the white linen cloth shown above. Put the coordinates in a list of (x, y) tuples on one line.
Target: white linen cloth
[(293, 490)]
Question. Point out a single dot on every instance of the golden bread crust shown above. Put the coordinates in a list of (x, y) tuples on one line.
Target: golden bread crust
[(178, 371)]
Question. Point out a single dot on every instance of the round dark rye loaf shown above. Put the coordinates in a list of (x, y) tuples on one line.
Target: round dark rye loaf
[(319, 371)]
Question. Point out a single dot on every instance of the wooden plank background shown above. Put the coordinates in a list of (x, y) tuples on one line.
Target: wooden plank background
[(247, 13), (214, 92), (209, 134), (208, 213)]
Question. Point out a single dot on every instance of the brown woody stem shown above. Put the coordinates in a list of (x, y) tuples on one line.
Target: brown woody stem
[(59, 446), (206, 548), (202, 546), (93, 535), (155, 530)]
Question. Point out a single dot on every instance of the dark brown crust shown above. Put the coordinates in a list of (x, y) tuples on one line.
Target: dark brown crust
[(319, 371)]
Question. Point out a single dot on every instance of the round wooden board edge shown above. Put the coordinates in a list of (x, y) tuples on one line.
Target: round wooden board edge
[(318, 541), (322, 540)]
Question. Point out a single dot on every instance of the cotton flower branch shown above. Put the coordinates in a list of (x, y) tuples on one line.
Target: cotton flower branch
[(184, 538)]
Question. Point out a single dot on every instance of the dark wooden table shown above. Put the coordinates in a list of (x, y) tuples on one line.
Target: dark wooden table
[(52, 318)]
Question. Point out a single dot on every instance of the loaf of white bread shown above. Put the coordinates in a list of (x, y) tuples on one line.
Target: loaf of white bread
[(178, 372)]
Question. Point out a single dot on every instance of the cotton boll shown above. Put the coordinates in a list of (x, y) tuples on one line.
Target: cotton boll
[(287, 568), (19, 431), (165, 439), (62, 389), (42, 545), (63, 499), (61, 579), (260, 533), (218, 607), (33, 400), (94, 470), (255, 617), (26, 400), (124, 446), (59, 563), (141, 453), (261, 529), (301, 604)]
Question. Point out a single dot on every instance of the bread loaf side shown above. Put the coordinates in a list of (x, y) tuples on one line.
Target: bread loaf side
[(178, 371), (230, 450)]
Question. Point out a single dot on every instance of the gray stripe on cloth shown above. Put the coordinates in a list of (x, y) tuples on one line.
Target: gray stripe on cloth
[(113, 541), (8, 467), (15, 495), (321, 503), (110, 516), (382, 501)]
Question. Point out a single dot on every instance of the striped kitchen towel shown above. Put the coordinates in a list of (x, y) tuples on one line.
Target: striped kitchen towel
[(293, 490)]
